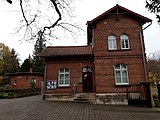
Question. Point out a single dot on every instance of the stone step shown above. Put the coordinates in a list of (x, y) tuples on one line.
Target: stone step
[(87, 95), (85, 98), (81, 100)]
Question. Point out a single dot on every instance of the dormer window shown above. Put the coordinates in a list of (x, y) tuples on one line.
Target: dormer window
[(112, 45), (124, 42)]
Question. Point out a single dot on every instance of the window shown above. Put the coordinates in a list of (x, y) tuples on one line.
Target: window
[(33, 80), (87, 69), (112, 45), (64, 77), (121, 74), (33, 83), (124, 42)]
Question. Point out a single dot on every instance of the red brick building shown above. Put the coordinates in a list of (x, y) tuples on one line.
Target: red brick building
[(24, 80), (114, 57)]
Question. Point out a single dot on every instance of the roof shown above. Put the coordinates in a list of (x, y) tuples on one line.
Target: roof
[(24, 73), (117, 9), (55, 51)]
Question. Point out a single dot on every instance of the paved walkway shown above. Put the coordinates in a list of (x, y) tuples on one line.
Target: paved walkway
[(34, 108)]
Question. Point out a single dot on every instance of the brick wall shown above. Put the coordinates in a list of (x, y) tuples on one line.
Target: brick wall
[(106, 59), (74, 64), (24, 81)]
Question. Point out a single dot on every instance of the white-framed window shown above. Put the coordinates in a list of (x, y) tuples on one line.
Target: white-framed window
[(112, 44), (33, 83), (124, 41), (121, 74), (33, 80), (64, 77)]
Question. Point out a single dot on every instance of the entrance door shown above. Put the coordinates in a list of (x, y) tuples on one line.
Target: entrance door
[(87, 80)]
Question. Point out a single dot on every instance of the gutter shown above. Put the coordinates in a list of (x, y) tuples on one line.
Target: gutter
[(143, 51)]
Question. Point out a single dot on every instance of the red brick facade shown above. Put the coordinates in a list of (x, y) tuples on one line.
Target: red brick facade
[(106, 59), (116, 21), (75, 64), (23, 80)]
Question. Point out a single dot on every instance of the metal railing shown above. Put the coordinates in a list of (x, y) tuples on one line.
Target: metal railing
[(139, 94)]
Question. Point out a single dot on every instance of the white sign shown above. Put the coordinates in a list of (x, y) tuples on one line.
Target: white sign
[(51, 84)]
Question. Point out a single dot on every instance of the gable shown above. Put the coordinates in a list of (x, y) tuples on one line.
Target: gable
[(119, 10), (116, 11)]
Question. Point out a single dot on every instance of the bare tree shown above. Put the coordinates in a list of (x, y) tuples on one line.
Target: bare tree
[(48, 16), (153, 63), (154, 7)]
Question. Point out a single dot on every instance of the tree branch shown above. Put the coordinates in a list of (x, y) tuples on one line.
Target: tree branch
[(31, 24), (24, 16), (21, 5), (9, 1), (59, 14), (154, 7)]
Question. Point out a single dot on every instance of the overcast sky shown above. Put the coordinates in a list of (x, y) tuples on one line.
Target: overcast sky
[(85, 10)]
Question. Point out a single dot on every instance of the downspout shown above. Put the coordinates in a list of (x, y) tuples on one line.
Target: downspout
[(143, 51), (92, 34), (44, 84)]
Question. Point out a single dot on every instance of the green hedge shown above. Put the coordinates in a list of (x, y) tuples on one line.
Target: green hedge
[(18, 93)]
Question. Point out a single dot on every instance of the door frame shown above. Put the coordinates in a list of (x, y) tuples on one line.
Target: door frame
[(87, 79)]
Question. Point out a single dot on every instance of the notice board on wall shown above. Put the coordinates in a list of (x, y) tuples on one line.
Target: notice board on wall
[(51, 84)]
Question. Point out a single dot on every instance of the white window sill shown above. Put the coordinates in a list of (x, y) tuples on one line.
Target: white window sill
[(125, 48), (112, 49), (119, 84), (63, 85)]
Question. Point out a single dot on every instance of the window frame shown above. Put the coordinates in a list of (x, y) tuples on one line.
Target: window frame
[(64, 73), (121, 70), (111, 42), (34, 80), (124, 38)]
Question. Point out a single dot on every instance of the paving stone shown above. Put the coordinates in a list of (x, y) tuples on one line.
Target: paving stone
[(34, 108)]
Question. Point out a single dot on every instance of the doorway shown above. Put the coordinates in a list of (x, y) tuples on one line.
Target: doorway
[(87, 79)]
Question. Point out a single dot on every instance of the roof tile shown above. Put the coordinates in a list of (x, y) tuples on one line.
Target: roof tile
[(52, 51)]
